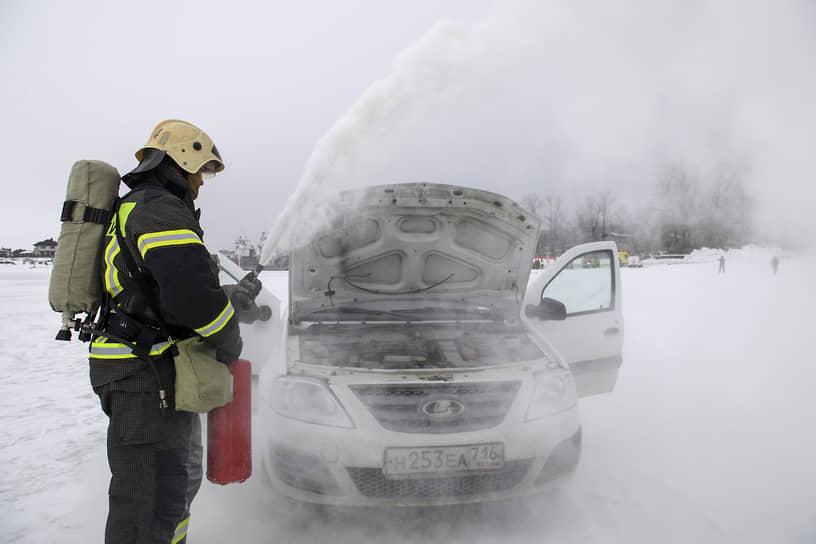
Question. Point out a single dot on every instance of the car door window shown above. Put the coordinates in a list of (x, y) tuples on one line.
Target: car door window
[(585, 284), (225, 278)]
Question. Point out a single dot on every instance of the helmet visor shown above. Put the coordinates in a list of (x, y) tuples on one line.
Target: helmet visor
[(209, 170)]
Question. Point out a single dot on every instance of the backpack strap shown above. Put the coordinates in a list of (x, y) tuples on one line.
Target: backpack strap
[(89, 214), (146, 336)]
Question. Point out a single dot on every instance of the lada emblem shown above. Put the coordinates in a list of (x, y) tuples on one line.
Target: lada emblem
[(443, 408)]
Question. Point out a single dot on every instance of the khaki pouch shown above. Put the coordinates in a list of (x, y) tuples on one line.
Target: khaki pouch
[(202, 382)]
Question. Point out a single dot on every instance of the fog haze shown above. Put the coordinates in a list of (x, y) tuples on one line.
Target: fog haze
[(706, 438), (516, 97)]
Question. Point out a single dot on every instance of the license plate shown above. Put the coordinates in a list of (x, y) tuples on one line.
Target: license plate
[(407, 461)]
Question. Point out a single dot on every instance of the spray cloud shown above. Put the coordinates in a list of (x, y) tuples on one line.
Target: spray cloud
[(567, 97)]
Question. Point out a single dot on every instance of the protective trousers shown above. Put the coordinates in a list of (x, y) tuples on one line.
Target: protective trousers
[(155, 462)]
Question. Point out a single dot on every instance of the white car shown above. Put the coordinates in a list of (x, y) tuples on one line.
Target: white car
[(261, 325), (420, 366)]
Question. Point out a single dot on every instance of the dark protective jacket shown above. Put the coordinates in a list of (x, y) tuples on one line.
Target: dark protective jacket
[(159, 226)]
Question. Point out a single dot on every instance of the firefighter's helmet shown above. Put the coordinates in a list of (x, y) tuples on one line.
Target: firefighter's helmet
[(186, 144)]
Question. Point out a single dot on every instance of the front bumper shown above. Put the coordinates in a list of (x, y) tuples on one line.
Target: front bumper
[(318, 464)]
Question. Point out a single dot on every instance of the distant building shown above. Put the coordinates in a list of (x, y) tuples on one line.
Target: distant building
[(46, 248), (279, 262), (247, 256)]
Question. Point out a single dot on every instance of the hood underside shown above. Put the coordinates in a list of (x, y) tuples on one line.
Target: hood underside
[(415, 251)]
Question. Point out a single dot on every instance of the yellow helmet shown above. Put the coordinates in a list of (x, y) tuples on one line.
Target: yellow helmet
[(187, 145)]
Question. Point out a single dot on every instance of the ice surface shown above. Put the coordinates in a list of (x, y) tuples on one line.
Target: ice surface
[(707, 437)]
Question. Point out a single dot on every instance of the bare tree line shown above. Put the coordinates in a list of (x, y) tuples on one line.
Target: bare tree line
[(681, 212)]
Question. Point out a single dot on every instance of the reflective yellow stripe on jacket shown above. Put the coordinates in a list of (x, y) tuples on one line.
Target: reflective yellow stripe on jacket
[(102, 348), (166, 238), (182, 237), (181, 531), (112, 283), (218, 323)]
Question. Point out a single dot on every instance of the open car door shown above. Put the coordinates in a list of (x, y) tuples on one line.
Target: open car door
[(261, 326), (575, 306)]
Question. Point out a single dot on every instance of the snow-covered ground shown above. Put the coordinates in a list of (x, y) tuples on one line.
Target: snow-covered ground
[(708, 437)]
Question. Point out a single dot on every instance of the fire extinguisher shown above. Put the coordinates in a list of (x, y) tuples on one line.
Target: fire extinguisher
[(229, 431)]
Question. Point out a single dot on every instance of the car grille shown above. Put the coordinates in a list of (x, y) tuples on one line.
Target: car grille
[(400, 407), (372, 483)]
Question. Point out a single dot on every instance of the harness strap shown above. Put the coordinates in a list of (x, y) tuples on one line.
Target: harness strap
[(139, 276), (89, 214), (146, 337)]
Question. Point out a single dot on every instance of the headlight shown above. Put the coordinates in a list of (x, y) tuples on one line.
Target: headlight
[(554, 393), (307, 400)]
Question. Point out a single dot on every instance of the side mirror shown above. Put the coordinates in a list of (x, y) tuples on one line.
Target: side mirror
[(255, 313), (548, 309)]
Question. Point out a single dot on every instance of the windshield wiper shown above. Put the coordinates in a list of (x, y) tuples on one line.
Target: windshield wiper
[(413, 314), (449, 313), (351, 310)]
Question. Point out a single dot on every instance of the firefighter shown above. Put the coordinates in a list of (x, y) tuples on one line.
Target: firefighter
[(163, 286)]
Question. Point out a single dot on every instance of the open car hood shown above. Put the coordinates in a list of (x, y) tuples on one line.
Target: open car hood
[(415, 251)]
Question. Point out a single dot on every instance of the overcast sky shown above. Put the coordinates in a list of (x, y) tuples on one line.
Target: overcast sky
[(517, 97)]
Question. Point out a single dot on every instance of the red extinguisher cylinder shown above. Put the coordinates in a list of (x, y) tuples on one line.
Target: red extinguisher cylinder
[(229, 431)]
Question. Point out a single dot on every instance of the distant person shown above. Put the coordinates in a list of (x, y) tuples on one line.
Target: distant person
[(722, 264), (774, 264)]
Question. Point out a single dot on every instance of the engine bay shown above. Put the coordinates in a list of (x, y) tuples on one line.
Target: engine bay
[(415, 346)]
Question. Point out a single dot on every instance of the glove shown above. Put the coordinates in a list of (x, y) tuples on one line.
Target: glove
[(245, 291), (230, 352)]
